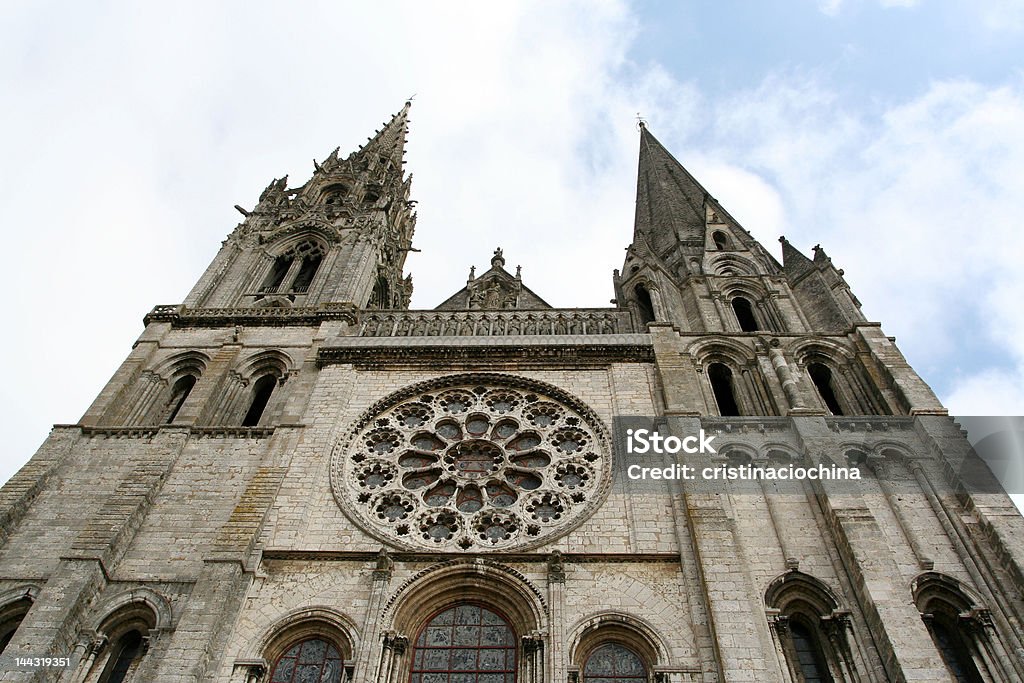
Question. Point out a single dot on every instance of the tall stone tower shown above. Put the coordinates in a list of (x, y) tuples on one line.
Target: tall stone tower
[(294, 477)]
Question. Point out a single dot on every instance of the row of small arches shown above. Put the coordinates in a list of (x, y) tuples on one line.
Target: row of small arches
[(479, 642), (262, 375), (723, 387), (741, 306)]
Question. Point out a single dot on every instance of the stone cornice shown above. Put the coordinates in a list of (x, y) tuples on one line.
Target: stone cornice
[(539, 557), (181, 316), (150, 431), (524, 351)]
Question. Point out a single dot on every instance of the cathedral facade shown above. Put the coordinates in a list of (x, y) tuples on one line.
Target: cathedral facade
[(293, 477)]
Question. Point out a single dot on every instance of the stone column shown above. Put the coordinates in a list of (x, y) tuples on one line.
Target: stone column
[(556, 656), (785, 374), (393, 648), (370, 638), (210, 387)]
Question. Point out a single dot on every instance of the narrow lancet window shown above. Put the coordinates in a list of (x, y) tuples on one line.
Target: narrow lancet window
[(310, 264), (179, 393), (381, 296), (645, 307), (127, 651), (261, 392), (953, 649), (720, 377), (277, 273), (744, 314), (810, 660), (822, 378)]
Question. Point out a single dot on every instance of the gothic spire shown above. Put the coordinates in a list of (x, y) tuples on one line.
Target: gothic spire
[(670, 203), (389, 141)]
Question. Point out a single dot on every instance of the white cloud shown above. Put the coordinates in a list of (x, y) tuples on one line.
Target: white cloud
[(919, 205), (830, 7), (834, 7), (137, 130), (991, 392), (1002, 16)]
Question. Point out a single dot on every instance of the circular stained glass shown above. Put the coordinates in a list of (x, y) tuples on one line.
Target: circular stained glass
[(474, 462)]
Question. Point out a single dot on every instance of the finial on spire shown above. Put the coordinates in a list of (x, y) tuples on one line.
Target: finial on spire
[(641, 122), (499, 258)]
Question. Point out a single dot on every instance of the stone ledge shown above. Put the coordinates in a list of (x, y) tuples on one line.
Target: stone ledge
[(153, 430), (522, 355)]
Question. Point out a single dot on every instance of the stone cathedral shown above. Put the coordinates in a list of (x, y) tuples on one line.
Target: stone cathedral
[(295, 478)]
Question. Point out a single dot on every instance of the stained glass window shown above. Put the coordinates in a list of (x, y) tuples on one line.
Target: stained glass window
[(808, 655), (311, 661), (613, 663), (465, 644)]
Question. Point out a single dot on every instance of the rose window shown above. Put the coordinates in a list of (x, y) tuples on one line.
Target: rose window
[(493, 463)]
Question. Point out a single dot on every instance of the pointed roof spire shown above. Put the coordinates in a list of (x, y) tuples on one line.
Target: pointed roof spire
[(669, 201), (794, 263), (389, 141)]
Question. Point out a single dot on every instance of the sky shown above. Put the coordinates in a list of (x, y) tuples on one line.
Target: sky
[(891, 132)]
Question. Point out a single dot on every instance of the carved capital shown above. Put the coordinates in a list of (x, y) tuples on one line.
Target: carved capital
[(976, 621), (396, 642), (533, 642)]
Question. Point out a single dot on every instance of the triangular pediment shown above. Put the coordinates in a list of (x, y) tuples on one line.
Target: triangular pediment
[(497, 289)]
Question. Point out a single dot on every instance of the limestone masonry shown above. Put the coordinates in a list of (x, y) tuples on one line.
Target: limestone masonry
[(295, 478)]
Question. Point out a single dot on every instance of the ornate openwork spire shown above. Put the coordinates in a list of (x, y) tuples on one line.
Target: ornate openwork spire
[(389, 141)]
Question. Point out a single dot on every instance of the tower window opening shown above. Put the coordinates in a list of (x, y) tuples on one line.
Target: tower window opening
[(744, 314), (822, 378), (953, 650), (381, 296), (334, 198), (720, 377), (10, 619), (310, 264), (128, 650), (179, 393), (810, 660), (645, 307), (261, 392), (277, 273), (720, 240)]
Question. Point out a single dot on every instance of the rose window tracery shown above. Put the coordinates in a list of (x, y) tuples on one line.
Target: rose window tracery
[(472, 465)]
